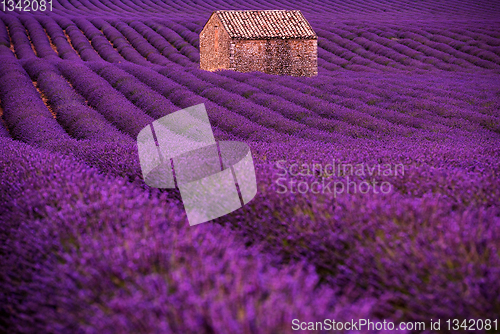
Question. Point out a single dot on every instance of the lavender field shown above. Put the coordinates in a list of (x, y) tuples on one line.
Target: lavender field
[(87, 247)]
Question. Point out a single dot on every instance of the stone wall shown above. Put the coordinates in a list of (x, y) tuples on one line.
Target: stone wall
[(297, 57), (214, 46)]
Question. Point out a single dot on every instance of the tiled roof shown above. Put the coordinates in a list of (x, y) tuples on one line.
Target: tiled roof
[(265, 24)]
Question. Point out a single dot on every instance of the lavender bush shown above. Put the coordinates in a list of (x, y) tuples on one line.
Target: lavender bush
[(58, 37), (87, 247)]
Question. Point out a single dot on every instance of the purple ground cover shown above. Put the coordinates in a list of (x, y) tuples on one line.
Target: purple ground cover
[(87, 247)]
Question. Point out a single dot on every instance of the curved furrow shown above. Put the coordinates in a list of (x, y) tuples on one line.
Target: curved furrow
[(98, 41), (104, 98), (19, 37), (78, 40), (59, 37), (187, 44), (39, 38), (119, 42), (168, 46), (219, 116), (71, 109)]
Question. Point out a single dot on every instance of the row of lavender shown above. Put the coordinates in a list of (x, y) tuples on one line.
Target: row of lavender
[(85, 253), (341, 46), (326, 115), (62, 218), (303, 110), (351, 115), (90, 249), (109, 53), (351, 245), (57, 246), (402, 8)]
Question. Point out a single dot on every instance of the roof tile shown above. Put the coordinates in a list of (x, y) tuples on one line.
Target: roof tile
[(266, 24)]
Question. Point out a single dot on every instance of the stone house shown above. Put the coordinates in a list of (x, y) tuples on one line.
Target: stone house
[(272, 41)]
